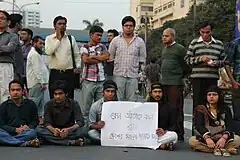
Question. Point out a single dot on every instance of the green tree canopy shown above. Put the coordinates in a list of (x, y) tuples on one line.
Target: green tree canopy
[(89, 24)]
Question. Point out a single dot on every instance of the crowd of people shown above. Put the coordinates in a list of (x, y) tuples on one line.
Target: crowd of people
[(111, 73)]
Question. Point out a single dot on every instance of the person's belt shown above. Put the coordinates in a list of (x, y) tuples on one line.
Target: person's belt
[(62, 70)]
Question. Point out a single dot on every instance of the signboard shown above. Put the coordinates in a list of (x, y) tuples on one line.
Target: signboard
[(130, 124)]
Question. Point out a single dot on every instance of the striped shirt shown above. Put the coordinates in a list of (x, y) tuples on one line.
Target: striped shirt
[(233, 52), (198, 48), (127, 56)]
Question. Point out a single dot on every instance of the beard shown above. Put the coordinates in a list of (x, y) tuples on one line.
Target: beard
[(39, 50)]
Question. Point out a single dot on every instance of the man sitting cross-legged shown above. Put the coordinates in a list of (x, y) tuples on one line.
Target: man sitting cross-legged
[(63, 119), (95, 123), (166, 137), (18, 118)]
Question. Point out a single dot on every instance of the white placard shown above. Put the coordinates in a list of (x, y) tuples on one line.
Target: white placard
[(130, 124)]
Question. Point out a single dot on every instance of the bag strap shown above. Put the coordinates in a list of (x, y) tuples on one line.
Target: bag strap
[(73, 57)]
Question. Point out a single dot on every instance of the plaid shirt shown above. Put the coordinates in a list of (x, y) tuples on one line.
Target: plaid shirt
[(127, 56), (94, 72), (233, 52)]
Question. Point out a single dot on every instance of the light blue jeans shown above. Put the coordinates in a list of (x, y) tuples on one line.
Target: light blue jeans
[(17, 140), (127, 88), (91, 92), (37, 95), (95, 136)]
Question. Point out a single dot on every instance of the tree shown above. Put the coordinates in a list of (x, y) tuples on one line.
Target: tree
[(88, 24), (220, 13)]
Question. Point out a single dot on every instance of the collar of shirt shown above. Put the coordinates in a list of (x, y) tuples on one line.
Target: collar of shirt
[(134, 36), (200, 39), (171, 44), (55, 35), (23, 101), (64, 104)]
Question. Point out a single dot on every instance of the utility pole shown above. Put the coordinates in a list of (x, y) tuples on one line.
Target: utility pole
[(194, 16), (13, 5), (146, 28)]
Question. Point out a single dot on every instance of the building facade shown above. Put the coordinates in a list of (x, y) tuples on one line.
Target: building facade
[(166, 10), (31, 18), (140, 9)]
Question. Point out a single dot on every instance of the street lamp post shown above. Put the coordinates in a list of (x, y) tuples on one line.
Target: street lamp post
[(194, 16), (19, 8)]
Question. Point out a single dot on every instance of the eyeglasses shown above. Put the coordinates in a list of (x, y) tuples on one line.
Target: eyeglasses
[(130, 26)]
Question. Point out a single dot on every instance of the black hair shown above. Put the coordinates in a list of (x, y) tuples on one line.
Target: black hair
[(128, 19), (114, 31), (205, 24), (6, 14), (95, 29), (15, 19), (59, 84), (17, 82), (29, 31), (220, 104), (109, 83), (36, 39), (56, 19)]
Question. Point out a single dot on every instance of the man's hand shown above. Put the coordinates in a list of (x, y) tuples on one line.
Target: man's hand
[(19, 130), (205, 59), (77, 70), (25, 127), (221, 143), (43, 87), (55, 131), (101, 124), (210, 143), (160, 132), (59, 34), (64, 133), (235, 85)]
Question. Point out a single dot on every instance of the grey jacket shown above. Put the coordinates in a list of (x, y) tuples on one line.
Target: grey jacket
[(8, 45)]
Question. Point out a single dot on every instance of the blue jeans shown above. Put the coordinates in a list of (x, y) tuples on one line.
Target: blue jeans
[(127, 88), (95, 136), (17, 140), (37, 95), (91, 92)]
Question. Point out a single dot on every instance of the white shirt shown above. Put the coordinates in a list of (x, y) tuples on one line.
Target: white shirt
[(37, 71), (60, 54)]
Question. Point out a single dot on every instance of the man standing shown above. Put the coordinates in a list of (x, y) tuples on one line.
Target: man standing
[(37, 75), (26, 37), (93, 55), (63, 120), (9, 42), (95, 123), (109, 65), (14, 27), (205, 55), (173, 69), (18, 118), (60, 60), (233, 52), (129, 54)]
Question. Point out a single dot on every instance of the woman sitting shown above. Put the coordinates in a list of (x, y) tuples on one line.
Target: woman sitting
[(213, 126)]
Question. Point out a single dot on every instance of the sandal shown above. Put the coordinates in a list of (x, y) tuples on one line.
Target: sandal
[(168, 146), (233, 151), (33, 143), (225, 153), (79, 142), (217, 152)]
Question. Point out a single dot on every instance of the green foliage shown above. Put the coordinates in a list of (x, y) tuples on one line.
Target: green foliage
[(221, 13)]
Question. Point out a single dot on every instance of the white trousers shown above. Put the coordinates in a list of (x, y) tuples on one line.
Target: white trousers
[(6, 75), (168, 137)]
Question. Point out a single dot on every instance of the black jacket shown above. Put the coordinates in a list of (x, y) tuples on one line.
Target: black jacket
[(13, 116)]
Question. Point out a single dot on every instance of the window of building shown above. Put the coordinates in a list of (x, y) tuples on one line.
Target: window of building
[(155, 12), (164, 7), (170, 5), (146, 8), (182, 4), (136, 9), (160, 9)]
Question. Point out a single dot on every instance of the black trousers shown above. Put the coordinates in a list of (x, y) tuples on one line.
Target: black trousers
[(173, 94), (200, 87), (66, 75), (236, 103)]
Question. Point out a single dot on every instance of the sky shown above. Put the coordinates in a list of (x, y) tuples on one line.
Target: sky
[(110, 12)]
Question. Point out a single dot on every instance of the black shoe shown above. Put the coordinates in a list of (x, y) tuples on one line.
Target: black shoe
[(180, 139)]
